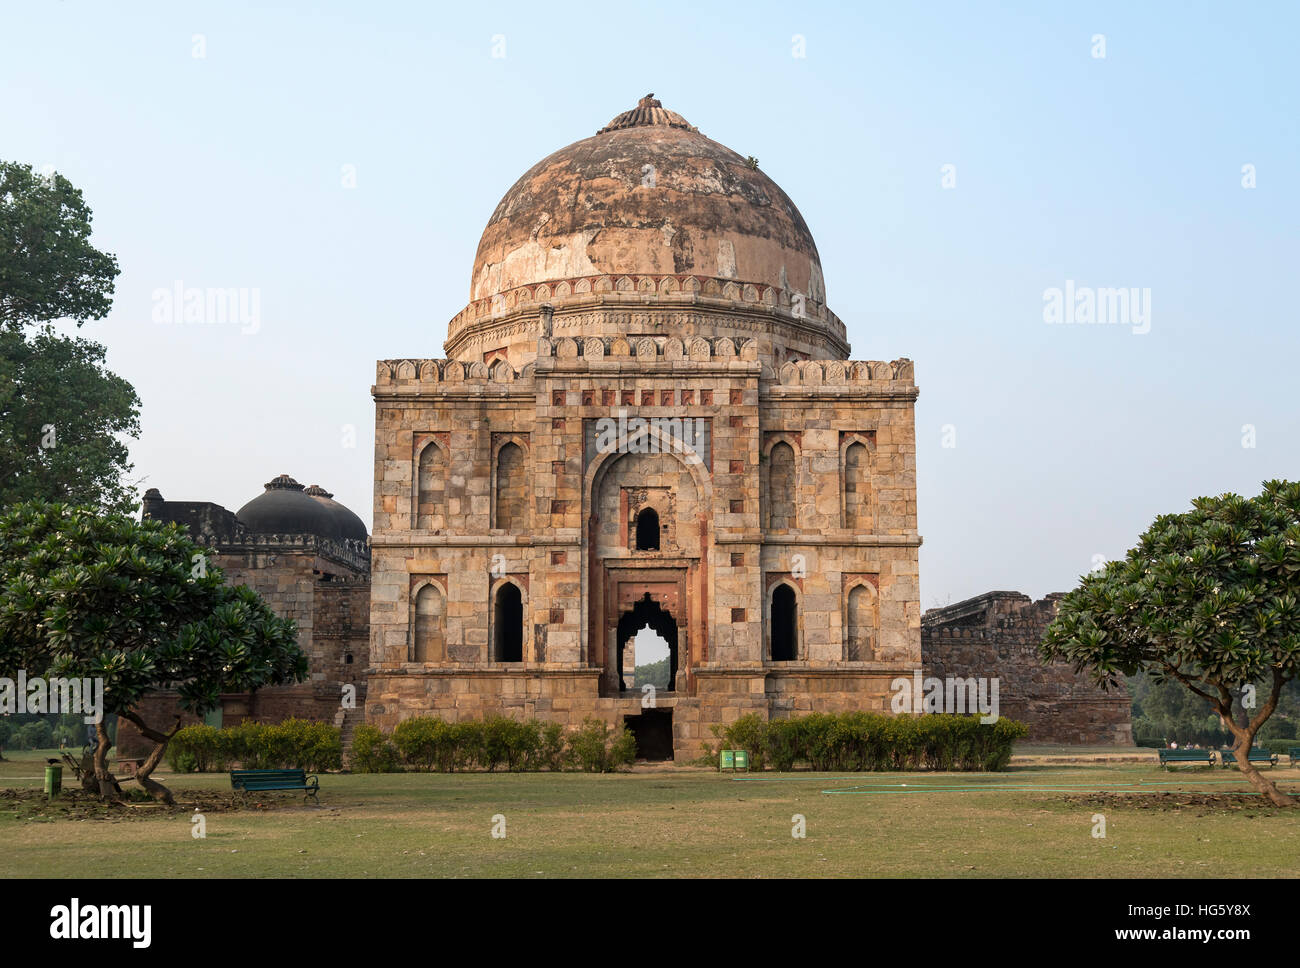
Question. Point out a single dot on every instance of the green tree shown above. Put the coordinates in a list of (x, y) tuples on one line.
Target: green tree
[(62, 422), (48, 268), (1209, 598), (138, 605), (62, 415)]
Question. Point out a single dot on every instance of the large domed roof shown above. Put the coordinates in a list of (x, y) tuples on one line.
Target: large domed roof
[(349, 525), (285, 508), (647, 195)]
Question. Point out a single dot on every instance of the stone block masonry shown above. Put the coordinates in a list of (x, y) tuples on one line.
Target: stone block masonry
[(997, 634)]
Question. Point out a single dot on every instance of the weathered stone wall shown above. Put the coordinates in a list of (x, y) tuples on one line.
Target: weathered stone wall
[(572, 549), (997, 635)]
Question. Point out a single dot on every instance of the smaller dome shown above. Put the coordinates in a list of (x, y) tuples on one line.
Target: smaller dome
[(283, 508), (350, 526)]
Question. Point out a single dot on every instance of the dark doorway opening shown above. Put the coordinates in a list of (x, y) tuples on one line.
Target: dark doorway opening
[(653, 732), (785, 624), (508, 625), (645, 612), (647, 530)]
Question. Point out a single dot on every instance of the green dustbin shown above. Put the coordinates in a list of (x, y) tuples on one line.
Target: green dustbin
[(53, 781), (742, 759), (727, 761)]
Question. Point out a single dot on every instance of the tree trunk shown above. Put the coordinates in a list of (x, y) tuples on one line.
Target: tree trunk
[(160, 741), (142, 775), (105, 783), (1260, 782)]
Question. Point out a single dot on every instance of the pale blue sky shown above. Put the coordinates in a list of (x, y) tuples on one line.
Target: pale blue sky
[(225, 171)]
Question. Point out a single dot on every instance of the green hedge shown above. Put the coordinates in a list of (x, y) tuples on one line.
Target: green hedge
[(427, 744), (868, 741), (291, 744)]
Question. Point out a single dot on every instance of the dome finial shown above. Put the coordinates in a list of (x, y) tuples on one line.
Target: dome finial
[(649, 111)]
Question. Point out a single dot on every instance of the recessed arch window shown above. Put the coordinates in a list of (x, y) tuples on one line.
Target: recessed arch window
[(784, 624), (647, 530), (511, 488), (429, 643), (857, 489), (860, 634), (431, 494), (780, 487), (508, 624)]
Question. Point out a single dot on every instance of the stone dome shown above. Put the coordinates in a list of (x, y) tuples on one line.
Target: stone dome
[(285, 508), (646, 195), (648, 228), (350, 526)]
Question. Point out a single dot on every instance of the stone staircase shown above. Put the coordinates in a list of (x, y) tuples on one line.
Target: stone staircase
[(347, 720)]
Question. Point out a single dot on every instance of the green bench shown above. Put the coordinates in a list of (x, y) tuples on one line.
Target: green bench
[(1294, 754), (250, 781), (1229, 758), (1186, 756)]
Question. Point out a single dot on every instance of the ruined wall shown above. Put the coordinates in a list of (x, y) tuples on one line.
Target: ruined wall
[(997, 635)]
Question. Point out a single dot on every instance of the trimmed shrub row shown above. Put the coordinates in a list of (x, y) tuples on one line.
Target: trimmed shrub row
[(427, 744), (291, 744), (868, 741)]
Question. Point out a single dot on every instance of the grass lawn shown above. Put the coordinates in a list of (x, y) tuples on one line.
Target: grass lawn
[(1030, 821)]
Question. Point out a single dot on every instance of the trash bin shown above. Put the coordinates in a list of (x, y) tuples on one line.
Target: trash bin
[(742, 759), (53, 781), (727, 760)]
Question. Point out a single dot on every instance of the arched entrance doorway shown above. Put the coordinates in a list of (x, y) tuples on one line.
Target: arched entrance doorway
[(647, 612)]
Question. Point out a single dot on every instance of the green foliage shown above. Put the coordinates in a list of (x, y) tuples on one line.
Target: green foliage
[(372, 752), (35, 735), (198, 747), (655, 673), (596, 747), (423, 742), (48, 268), (136, 603), (64, 420), (291, 744), (549, 754), (510, 742), (426, 743), (868, 741), (1209, 597)]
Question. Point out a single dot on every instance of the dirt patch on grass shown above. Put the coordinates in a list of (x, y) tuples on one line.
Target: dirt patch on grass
[(31, 805), (1204, 804)]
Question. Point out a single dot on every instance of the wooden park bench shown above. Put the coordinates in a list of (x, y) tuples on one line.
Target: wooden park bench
[(1186, 756), (1229, 758), (251, 781)]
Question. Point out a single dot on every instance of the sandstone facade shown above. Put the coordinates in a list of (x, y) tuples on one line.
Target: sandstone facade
[(517, 540)]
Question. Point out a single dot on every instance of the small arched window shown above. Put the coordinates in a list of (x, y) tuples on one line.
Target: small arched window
[(785, 624), (431, 498), (780, 488), (860, 645), (429, 636), (511, 488), (647, 530), (508, 624), (857, 490)]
